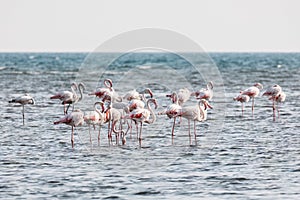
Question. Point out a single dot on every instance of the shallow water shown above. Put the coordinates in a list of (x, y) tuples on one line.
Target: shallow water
[(233, 157)]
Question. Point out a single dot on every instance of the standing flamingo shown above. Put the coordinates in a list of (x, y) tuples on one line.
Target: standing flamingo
[(173, 110), (242, 98), (23, 100), (195, 113), (70, 97), (279, 98), (113, 116), (205, 93), (276, 94), (253, 92), (142, 115), (74, 119), (94, 118)]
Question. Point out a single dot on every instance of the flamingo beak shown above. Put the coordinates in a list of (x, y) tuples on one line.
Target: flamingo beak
[(208, 105)]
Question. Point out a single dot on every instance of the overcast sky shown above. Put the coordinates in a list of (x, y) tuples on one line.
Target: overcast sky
[(216, 25)]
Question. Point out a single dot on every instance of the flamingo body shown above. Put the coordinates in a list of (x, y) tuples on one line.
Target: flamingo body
[(23, 100)]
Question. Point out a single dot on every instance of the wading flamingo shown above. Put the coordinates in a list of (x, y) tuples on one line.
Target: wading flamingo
[(73, 119), (275, 94), (70, 97), (242, 98), (172, 110), (95, 118), (195, 113), (142, 115), (23, 100), (253, 92)]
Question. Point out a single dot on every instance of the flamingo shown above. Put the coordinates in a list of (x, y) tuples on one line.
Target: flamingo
[(242, 98), (109, 90), (23, 100), (70, 97), (279, 98), (195, 113), (113, 116), (276, 95), (142, 115), (252, 92), (173, 110), (205, 93), (95, 117), (74, 119), (183, 95)]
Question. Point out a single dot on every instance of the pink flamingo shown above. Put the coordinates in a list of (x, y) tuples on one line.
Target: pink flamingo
[(183, 95), (95, 117), (173, 110), (242, 98), (23, 100), (109, 90), (73, 119), (195, 113), (205, 93), (142, 115), (276, 95), (253, 92), (70, 97), (113, 116)]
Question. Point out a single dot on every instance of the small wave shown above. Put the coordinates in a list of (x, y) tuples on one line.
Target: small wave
[(2, 68), (144, 67)]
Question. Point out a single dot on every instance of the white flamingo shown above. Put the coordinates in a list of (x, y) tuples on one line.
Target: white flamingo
[(95, 118), (195, 113), (242, 98), (23, 100), (205, 93), (275, 94), (142, 115), (109, 90), (253, 92), (173, 109), (279, 98), (70, 97), (74, 119), (183, 95)]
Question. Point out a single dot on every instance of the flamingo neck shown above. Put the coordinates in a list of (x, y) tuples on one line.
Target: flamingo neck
[(151, 111)]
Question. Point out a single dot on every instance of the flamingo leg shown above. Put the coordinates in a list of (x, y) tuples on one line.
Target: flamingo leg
[(189, 131), (195, 135), (90, 133), (274, 111), (23, 114), (140, 136), (108, 133), (252, 106), (99, 135), (137, 129), (278, 110), (72, 137), (242, 109), (173, 126)]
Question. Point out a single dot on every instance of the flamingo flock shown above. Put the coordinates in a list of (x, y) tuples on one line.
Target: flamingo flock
[(140, 108)]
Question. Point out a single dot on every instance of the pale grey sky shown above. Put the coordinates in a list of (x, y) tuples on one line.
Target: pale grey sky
[(216, 25)]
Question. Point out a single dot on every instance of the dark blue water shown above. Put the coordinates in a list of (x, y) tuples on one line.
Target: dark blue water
[(233, 157)]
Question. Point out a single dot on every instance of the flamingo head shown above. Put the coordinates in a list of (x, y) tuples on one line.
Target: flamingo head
[(258, 85), (149, 91)]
